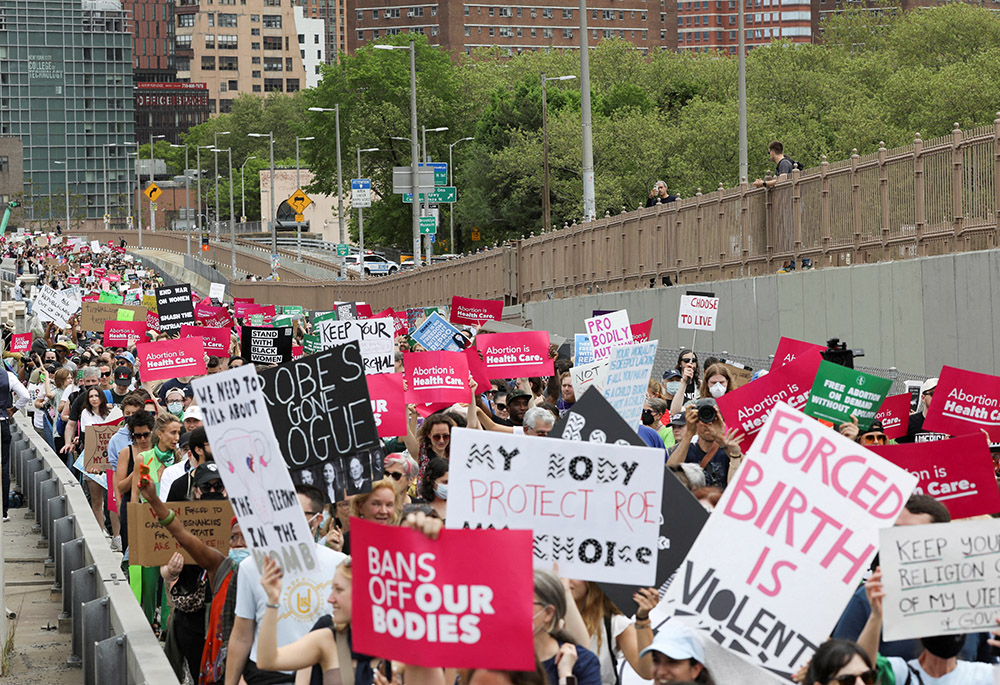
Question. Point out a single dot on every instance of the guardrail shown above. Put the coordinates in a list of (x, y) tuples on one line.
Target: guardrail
[(112, 641), (205, 271)]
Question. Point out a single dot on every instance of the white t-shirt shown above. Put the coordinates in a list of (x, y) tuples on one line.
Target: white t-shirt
[(170, 474), (89, 418), (618, 625), (302, 600), (967, 673)]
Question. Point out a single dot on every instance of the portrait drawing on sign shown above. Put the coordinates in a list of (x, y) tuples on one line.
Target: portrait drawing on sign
[(358, 482)]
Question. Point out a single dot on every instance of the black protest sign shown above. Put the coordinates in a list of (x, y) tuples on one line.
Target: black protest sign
[(175, 308), (346, 310), (266, 344), (322, 416), (593, 419)]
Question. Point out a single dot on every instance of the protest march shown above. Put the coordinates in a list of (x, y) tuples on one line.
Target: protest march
[(276, 484)]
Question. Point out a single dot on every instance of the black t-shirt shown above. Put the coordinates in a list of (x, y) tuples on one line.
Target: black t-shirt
[(179, 489), (115, 397), (915, 431), (170, 385)]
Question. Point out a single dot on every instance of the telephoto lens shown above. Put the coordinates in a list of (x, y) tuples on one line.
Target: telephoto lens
[(708, 410)]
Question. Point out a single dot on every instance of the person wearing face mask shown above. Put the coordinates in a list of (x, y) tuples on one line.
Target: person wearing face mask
[(717, 382), (434, 488), (175, 402), (652, 416), (560, 652)]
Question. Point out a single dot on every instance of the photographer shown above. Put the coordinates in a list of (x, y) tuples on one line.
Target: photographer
[(717, 449)]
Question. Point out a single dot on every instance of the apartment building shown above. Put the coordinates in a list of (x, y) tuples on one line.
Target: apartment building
[(334, 14), (708, 25)]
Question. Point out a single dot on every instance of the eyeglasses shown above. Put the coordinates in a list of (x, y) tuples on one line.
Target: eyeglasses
[(105, 374), (141, 436), (689, 360), (394, 475), (442, 437), (868, 678), (311, 514), (874, 439), (501, 406)]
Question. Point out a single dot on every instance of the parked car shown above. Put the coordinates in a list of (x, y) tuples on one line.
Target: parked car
[(375, 265)]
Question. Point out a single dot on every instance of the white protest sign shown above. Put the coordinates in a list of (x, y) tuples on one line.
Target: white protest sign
[(333, 332), (55, 305), (217, 291), (95, 246), (375, 336), (607, 331), (697, 312), (803, 513), (587, 375), (940, 579), (628, 379), (594, 508)]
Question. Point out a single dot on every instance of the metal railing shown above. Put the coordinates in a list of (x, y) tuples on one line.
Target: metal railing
[(206, 271), (112, 640)]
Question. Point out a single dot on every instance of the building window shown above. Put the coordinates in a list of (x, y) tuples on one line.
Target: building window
[(415, 12), (434, 10), (374, 14), (254, 32), (255, 60), (546, 12), (567, 14), (208, 64), (532, 31), (506, 32), (361, 35), (567, 33), (547, 33), (491, 11), (4, 165), (210, 41), (182, 43), (466, 10), (255, 74), (273, 64), (228, 64), (468, 31), (392, 13), (272, 21), (227, 20), (534, 13), (211, 17), (361, 15), (227, 42), (273, 85), (272, 42), (254, 18), (256, 87), (225, 106), (185, 21), (506, 12), (492, 31), (520, 11), (291, 85)]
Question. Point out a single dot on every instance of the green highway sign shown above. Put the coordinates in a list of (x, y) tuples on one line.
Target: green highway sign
[(343, 249), (440, 172), (441, 195), (428, 225)]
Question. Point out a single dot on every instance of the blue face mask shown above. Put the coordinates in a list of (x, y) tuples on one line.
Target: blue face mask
[(673, 387), (238, 555)]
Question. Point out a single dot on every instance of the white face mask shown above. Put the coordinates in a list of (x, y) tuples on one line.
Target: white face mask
[(175, 408), (441, 491), (673, 387), (718, 390), (539, 629)]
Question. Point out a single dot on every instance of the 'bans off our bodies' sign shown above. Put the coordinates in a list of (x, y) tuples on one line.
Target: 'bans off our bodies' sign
[(593, 508)]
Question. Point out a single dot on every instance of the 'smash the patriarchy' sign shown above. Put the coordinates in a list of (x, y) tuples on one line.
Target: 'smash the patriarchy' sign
[(803, 513), (594, 508)]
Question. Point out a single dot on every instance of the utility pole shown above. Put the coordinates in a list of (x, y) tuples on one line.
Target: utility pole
[(589, 199)]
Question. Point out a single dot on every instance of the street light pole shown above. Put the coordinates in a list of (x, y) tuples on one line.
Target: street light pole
[(742, 92), (243, 190), (298, 185), (187, 200), (216, 151), (232, 219), (66, 164), (138, 188), (152, 177), (589, 198), (451, 182), (361, 218)]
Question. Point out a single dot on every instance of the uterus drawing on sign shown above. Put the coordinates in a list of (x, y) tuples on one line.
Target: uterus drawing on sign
[(245, 456)]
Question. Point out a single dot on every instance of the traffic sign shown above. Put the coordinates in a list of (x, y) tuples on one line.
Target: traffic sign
[(440, 172), (152, 205), (153, 192), (402, 179), (343, 249), (107, 218), (128, 220), (442, 195), (361, 193), (428, 225), (300, 218), (299, 201), (476, 235)]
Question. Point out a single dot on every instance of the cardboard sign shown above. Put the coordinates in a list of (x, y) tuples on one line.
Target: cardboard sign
[(56, 306), (583, 351), (590, 375), (216, 339), (607, 331), (123, 333), (698, 312), (895, 415), (20, 343), (789, 350), (839, 392), (958, 472), (149, 302), (425, 604), (470, 311), (803, 513), (965, 401), (641, 331), (962, 558), (436, 377), (213, 317), (628, 379), (593, 508), (266, 345), (153, 545), (174, 307), (515, 355), (95, 453), (240, 305), (168, 359), (322, 415), (748, 407), (741, 376), (388, 403), (437, 334), (94, 314), (217, 291)]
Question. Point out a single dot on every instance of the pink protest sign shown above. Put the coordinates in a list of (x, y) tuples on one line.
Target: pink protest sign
[(123, 333), (388, 403), (421, 602), (240, 304), (964, 402), (20, 342), (895, 415), (267, 311), (789, 349), (152, 320), (957, 472), (478, 369), (512, 355), (640, 331), (436, 377), (171, 358), (364, 311), (607, 331), (213, 317), (471, 311), (217, 340)]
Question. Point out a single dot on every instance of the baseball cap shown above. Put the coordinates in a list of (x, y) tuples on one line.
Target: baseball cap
[(677, 641), (514, 394), (876, 426), (122, 376), (929, 384), (678, 419), (184, 440), (193, 412), (127, 356), (671, 374), (205, 474)]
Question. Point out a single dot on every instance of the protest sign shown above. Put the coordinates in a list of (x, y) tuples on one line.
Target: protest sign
[(54, 305), (559, 489), (321, 412), (216, 339), (641, 331), (965, 401), (261, 490), (240, 305), (477, 369), (123, 333), (149, 302), (741, 376), (94, 314), (436, 377), (803, 513), (583, 351), (345, 310), (789, 350), (471, 311), (266, 345), (957, 472), (607, 331), (20, 342), (168, 359), (213, 317), (364, 310), (895, 415), (437, 334), (388, 403), (512, 355), (589, 375), (96, 439), (420, 601), (375, 336), (260, 314), (110, 298), (174, 307), (73, 280), (502, 327), (153, 321), (698, 312), (152, 545), (217, 291), (125, 315), (628, 379), (839, 392), (940, 578), (398, 320), (332, 331)]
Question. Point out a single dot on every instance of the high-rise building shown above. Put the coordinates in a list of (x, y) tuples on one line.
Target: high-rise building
[(311, 32), (169, 109), (153, 39), (333, 14), (66, 92), (708, 25)]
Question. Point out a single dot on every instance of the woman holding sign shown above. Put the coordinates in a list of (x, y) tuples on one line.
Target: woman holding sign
[(97, 411), (687, 365), (555, 648)]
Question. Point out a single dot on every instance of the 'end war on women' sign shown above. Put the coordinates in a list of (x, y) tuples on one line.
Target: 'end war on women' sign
[(171, 358), (607, 331), (964, 402), (593, 508), (839, 392), (421, 602), (512, 355), (803, 513)]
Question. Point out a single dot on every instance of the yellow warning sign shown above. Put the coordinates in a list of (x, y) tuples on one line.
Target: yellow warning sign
[(476, 235), (153, 192), (299, 201)]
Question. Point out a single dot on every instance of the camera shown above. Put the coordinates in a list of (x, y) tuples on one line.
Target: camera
[(838, 353), (708, 410)]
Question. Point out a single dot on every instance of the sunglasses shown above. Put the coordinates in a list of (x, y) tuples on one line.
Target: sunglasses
[(141, 436), (501, 406), (929, 393), (689, 360), (444, 437), (874, 439), (214, 486), (105, 375), (394, 475), (868, 678)]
